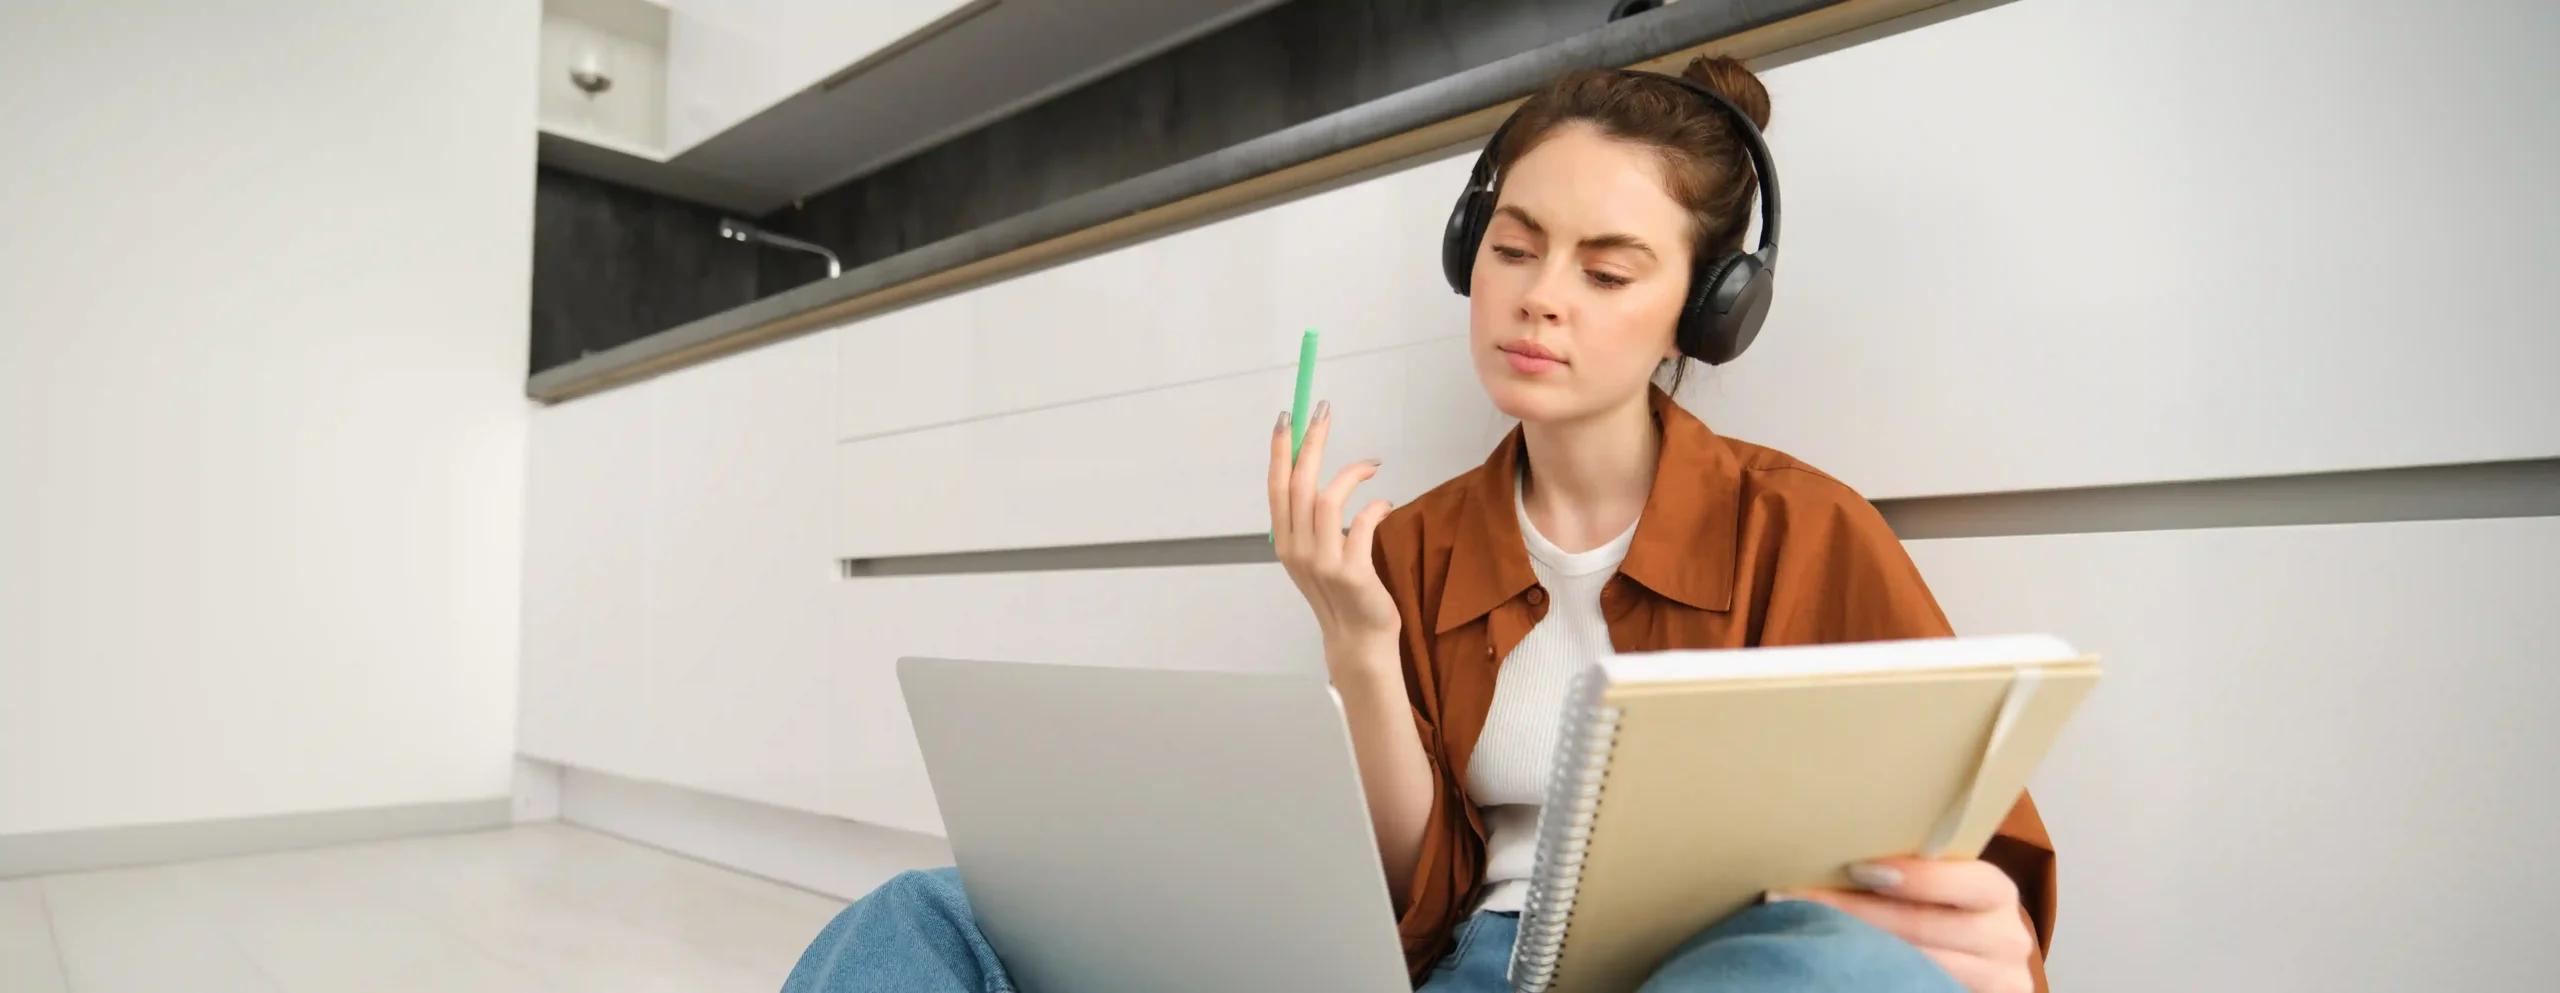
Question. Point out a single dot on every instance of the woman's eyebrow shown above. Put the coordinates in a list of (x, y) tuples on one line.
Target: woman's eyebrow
[(1626, 241), (1515, 213), (1600, 242)]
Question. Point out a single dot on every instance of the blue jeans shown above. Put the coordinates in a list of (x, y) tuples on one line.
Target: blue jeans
[(915, 935)]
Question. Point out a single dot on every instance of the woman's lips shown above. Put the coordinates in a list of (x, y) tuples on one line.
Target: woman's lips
[(1529, 358), (1530, 364)]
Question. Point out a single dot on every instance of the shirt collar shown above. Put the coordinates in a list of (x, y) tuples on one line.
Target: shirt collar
[(1685, 544)]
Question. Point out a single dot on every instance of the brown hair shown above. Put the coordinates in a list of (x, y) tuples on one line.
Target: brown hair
[(1704, 164)]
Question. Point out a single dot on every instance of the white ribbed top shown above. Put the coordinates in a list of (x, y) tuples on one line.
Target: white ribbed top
[(1507, 775)]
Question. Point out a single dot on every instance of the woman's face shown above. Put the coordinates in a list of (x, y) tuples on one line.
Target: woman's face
[(1579, 280)]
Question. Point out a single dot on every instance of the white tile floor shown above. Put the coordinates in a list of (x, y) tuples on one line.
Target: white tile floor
[(538, 909)]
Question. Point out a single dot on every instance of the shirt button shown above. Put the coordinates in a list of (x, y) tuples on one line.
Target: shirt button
[(1537, 596)]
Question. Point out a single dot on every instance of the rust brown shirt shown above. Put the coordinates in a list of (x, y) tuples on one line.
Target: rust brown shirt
[(1738, 545)]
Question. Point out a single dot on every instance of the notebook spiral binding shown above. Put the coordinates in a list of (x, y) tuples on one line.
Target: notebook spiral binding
[(1584, 741)]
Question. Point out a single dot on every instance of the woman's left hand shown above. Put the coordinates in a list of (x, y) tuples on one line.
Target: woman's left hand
[(1963, 914)]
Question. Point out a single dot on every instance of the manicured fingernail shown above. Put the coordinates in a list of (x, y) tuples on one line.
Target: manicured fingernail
[(1774, 896), (1284, 422), (1324, 409), (1875, 877)]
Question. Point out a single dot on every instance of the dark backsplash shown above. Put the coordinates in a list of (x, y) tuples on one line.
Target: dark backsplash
[(613, 264)]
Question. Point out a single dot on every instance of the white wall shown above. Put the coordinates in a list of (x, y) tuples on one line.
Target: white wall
[(2188, 237), (263, 284)]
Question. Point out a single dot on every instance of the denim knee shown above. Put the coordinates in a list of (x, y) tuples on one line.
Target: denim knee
[(1800, 919), (938, 889), (1798, 946), (909, 898), (914, 934)]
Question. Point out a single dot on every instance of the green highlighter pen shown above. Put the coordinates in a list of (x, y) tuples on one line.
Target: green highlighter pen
[(1298, 405), (1306, 384)]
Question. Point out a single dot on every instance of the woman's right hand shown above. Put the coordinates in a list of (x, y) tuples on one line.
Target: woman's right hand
[(1334, 572), (1331, 565)]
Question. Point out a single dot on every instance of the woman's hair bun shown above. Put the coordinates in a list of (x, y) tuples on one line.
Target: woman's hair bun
[(1729, 78)]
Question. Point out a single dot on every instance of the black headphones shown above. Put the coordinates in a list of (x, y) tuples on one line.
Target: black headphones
[(1728, 293)]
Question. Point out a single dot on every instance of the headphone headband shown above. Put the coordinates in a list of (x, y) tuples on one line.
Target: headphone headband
[(1754, 146)]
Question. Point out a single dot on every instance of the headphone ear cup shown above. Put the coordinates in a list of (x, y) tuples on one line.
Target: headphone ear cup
[(1465, 231), (1727, 301)]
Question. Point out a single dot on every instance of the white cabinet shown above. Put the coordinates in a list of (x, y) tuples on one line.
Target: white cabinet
[(618, 48), (729, 59), (2349, 722), (685, 70)]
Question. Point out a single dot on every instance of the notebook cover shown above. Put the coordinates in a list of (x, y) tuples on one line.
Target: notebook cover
[(1720, 790)]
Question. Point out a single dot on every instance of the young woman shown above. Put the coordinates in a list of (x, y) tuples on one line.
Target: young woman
[(1609, 518)]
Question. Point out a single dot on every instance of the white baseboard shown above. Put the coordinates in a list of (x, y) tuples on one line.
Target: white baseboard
[(824, 854), (148, 844), (537, 790), (828, 855)]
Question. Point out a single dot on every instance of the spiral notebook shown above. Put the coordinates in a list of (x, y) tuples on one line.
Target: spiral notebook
[(1687, 784)]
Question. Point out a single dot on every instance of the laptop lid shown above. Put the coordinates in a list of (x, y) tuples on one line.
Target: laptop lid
[(1138, 830)]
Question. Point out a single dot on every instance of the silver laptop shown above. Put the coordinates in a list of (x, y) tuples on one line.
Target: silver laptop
[(1137, 831)]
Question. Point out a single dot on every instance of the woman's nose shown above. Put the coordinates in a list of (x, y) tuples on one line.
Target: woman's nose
[(1544, 301)]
